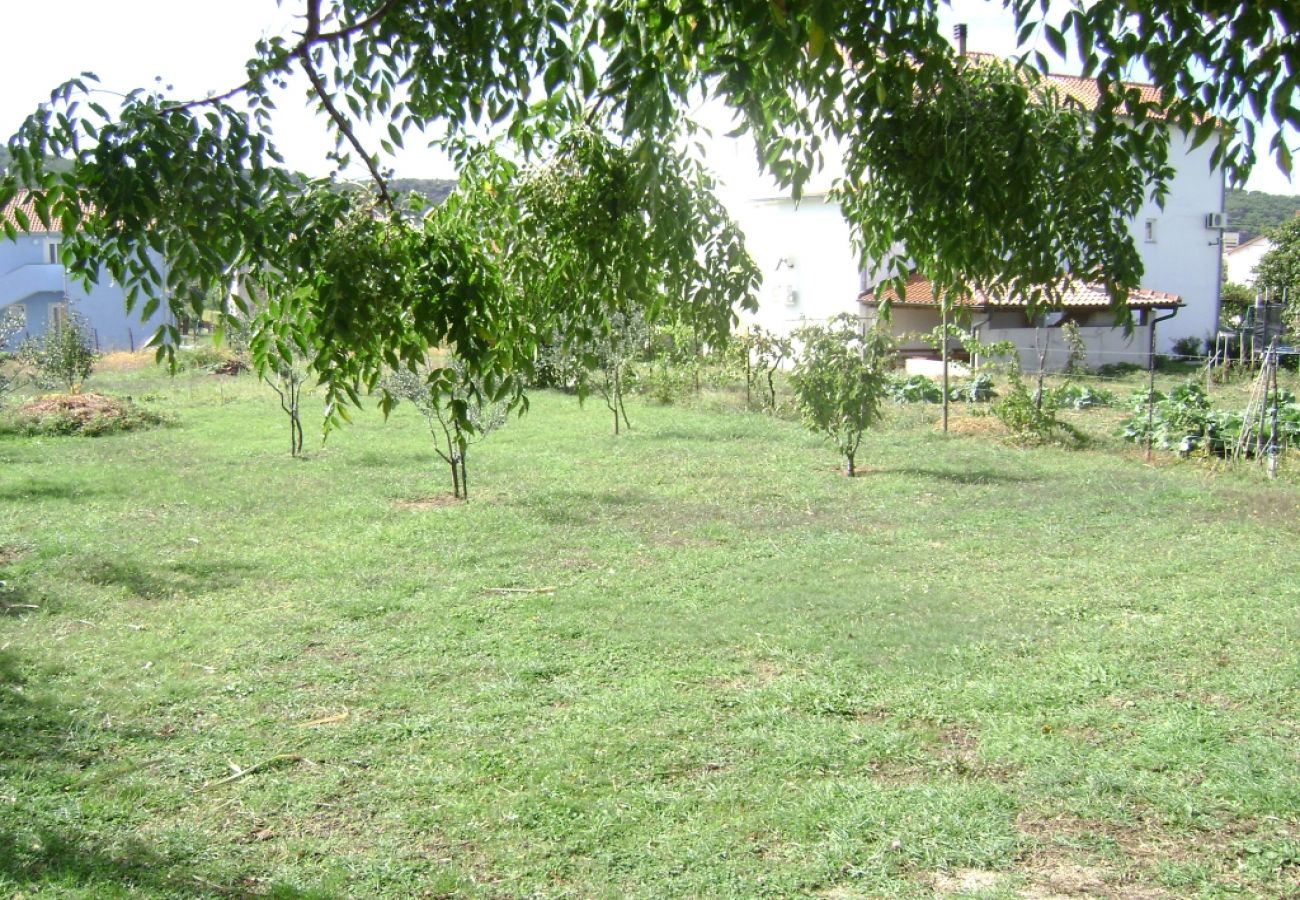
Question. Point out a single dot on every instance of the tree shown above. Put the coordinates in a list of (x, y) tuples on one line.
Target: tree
[(12, 322), (1278, 271), (1234, 300), (436, 392), (1012, 194), (839, 381), (63, 355)]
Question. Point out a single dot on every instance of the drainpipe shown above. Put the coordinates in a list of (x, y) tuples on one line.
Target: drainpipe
[(1151, 373)]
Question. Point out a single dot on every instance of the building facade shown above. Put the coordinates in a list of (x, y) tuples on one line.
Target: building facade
[(35, 285)]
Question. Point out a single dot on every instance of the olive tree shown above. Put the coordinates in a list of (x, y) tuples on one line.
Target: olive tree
[(63, 356), (454, 411), (12, 322), (839, 381)]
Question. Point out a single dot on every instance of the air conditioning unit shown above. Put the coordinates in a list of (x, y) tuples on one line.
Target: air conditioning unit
[(1216, 221)]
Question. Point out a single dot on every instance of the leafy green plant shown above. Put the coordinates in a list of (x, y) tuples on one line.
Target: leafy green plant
[(1032, 419), (977, 390), (11, 323), (63, 356), (912, 389), (765, 352), (455, 408), (1076, 360), (839, 381), (1185, 422), (1082, 396)]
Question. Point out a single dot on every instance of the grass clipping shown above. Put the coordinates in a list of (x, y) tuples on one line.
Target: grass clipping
[(89, 415)]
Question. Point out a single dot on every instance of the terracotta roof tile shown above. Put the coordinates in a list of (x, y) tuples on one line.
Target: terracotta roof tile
[(25, 203), (1088, 93), (1077, 295)]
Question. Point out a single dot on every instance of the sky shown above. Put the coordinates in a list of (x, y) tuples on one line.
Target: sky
[(199, 48)]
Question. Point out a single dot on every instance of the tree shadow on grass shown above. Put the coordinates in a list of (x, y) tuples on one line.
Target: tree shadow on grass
[(163, 580), (40, 490), (41, 849), (967, 476)]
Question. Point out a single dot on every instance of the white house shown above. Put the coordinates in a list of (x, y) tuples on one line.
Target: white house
[(1242, 260), (811, 271)]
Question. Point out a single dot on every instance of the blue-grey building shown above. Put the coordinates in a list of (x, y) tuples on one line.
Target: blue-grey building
[(34, 283)]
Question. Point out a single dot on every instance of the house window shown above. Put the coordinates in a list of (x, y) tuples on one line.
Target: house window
[(58, 316), (1149, 232), (52, 252)]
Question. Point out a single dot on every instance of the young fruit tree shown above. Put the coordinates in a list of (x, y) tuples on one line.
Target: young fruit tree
[(605, 88), (839, 381), (63, 355), (453, 409)]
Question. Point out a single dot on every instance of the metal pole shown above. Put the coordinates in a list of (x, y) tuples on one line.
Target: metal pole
[(1272, 439), (1151, 380), (943, 316)]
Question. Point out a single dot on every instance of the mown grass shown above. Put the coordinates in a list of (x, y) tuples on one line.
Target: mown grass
[(976, 670)]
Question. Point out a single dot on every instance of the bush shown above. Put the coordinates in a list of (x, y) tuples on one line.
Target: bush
[(1029, 420), (209, 358), (1118, 370), (63, 356), (87, 415), (665, 384), (1188, 348)]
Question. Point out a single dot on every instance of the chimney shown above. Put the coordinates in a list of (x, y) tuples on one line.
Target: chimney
[(959, 33)]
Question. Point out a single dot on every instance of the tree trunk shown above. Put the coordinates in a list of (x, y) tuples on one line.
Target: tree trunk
[(849, 469), (464, 477)]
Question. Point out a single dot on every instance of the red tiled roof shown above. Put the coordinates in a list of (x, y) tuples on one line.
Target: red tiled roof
[(1088, 93), (1077, 295), (25, 203)]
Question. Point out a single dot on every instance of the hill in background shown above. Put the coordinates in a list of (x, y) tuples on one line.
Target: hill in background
[(1254, 212)]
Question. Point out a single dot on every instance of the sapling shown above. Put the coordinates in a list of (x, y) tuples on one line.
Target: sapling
[(436, 392), (839, 381)]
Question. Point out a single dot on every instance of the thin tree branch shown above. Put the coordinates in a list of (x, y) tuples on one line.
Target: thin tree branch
[(369, 21), (345, 127), (311, 37)]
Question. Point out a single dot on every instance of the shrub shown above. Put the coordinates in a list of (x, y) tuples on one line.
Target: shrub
[(665, 383), (839, 381), (1118, 370), (1188, 348), (1032, 420), (63, 356), (87, 415), (209, 358)]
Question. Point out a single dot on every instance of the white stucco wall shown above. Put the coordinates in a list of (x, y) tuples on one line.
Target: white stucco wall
[(1185, 256), (810, 272), (1242, 260)]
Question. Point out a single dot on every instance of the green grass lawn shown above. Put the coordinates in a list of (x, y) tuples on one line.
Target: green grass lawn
[(973, 671)]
